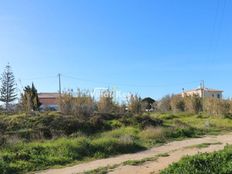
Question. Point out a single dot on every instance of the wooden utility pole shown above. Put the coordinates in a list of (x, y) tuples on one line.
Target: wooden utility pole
[(203, 94), (59, 76), (59, 100)]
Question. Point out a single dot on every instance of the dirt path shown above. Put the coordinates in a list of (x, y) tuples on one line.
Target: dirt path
[(176, 151)]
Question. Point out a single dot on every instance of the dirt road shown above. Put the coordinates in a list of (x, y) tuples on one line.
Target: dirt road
[(176, 150)]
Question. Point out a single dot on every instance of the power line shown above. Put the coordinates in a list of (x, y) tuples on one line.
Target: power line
[(129, 85), (108, 83)]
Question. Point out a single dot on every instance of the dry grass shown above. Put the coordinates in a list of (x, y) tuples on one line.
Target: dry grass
[(153, 133)]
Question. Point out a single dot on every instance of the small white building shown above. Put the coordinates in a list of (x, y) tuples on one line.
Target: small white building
[(206, 92)]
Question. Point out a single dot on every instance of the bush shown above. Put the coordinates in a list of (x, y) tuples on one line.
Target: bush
[(182, 130), (146, 121), (117, 133), (115, 124), (135, 104), (81, 105), (141, 121), (207, 163)]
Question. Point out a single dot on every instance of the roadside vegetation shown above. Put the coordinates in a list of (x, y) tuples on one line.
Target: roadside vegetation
[(35, 142), (87, 129), (207, 163)]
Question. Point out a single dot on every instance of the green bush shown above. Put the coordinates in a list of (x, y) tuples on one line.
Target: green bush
[(141, 121), (131, 131), (207, 163), (146, 121), (115, 124), (182, 130)]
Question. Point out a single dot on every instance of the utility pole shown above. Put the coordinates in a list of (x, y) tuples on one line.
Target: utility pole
[(203, 93), (59, 76), (59, 104)]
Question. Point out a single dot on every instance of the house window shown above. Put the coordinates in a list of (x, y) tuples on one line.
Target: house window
[(218, 96), (212, 95)]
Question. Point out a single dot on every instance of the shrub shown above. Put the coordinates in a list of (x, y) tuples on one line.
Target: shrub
[(146, 121), (106, 102), (81, 105), (164, 105), (182, 130), (134, 104), (117, 133), (177, 103), (115, 124), (207, 163), (141, 121)]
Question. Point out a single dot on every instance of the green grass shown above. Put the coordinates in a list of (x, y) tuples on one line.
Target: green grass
[(204, 122), (206, 163), (102, 170), (22, 157), (144, 160), (140, 162), (75, 141)]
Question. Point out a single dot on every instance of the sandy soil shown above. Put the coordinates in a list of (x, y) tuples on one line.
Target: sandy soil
[(176, 151)]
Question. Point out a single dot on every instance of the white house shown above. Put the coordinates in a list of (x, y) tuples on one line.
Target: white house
[(204, 92)]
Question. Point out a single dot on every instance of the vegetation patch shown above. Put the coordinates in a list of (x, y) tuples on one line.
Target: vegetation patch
[(35, 142), (21, 158), (102, 170), (207, 163), (144, 160), (140, 162)]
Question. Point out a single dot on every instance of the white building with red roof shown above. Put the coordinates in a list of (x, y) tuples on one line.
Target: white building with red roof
[(204, 92)]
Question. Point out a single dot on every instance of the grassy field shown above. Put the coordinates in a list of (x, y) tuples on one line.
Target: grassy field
[(207, 123), (36, 142)]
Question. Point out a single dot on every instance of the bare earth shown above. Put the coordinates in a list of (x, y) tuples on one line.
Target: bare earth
[(176, 151)]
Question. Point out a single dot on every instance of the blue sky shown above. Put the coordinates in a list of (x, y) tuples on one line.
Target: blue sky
[(152, 47)]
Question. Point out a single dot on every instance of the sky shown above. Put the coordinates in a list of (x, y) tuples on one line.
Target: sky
[(151, 47)]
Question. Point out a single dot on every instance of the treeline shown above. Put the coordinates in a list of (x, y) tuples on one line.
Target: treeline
[(195, 104), (82, 104)]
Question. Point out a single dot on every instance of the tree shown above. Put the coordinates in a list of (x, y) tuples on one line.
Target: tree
[(193, 104), (106, 102), (30, 99), (81, 105), (164, 104), (134, 104), (177, 103), (35, 98), (8, 87)]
